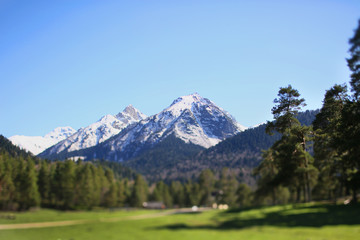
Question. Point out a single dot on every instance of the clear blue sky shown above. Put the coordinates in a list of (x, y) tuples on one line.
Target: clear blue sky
[(67, 63)]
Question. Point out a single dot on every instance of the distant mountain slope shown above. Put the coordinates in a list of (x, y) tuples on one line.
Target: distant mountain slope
[(6, 146), (95, 133), (37, 144), (161, 161), (192, 118)]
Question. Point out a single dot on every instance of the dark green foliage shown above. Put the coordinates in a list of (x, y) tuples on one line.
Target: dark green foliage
[(244, 195), (62, 184), (206, 182), (161, 193), (65, 184), (327, 135), (286, 110), (288, 162), (120, 171), (251, 140), (227, 186), (27, 189), (349, 144), (192, 192), (110, 198), (7, 186), (44, 183), (139, 192), (122, 192), (337, 144), (349, 141), (177, 192), (84, 185), (161, 161), (354, 62)]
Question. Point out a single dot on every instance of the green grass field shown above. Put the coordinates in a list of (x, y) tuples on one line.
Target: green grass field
[(303, 221)]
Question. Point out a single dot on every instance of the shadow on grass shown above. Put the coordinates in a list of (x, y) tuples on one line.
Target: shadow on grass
[(312, 216), (189, 213)]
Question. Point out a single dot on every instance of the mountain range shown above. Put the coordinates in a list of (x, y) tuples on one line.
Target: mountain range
[(190, 135), (96, 133), (192, 119)]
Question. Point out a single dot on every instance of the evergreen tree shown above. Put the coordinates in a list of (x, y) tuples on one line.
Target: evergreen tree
[(349, 145), (162, 193), (288, 106), (67, 184), (110, 195), (192, 194), (63, 185), (28, 190), (350, 124), (139, 192), (292, 160), (7, 186), (228, 186), (122, 192), (177, 192), (326, 148), (100, 184), (267, 171), (244, 195), (85, 190), (206, 182), (43, 183)]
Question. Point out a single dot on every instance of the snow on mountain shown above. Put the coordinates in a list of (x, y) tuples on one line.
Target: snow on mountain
[(98, 132), (130, 115), (192, 118), (198, 120), (37, 144), (257, 125)]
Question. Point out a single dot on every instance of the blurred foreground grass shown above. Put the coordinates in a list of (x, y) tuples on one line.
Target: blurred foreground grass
[(301, 221)]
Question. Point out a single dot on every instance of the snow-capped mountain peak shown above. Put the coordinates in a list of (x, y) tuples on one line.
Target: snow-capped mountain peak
[(98, 132), (211, 124), (60, 133), (191, 118), (37, 144), (187, 102)]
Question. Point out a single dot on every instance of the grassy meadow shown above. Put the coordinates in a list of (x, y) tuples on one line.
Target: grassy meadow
[(303, 221)]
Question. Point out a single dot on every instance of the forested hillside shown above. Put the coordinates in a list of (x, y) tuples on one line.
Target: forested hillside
[(26, 183)]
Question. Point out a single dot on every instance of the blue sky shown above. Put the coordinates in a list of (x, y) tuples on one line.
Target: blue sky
[(67, 63)]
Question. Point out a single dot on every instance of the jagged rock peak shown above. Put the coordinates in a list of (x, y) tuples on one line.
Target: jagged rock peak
[(130, 114)]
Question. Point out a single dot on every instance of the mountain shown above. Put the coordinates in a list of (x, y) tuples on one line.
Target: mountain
[(37, 144), (176, 160), (192, 119), (97, 132)]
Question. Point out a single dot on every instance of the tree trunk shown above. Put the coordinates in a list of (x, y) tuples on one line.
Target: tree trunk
[(298, 195), (307, 177), (305, 192), (354, 197), (273, 196)]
